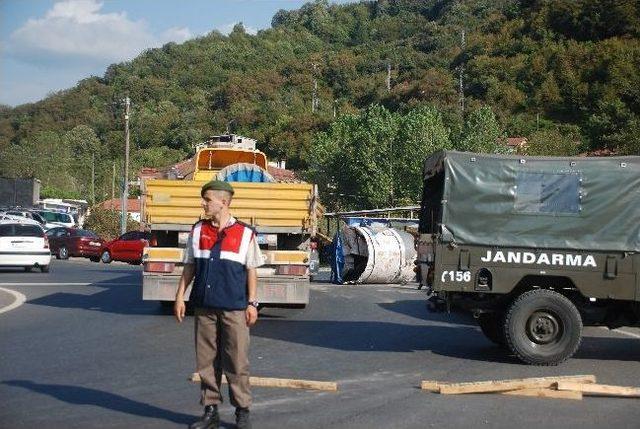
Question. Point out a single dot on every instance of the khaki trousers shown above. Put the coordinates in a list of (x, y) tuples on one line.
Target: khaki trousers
[(222, 345)]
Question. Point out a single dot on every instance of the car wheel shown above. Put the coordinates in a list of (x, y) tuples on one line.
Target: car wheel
[(492, 327), (94, 259), (63, 253), (44, 268), (106, 257), (543, 327)]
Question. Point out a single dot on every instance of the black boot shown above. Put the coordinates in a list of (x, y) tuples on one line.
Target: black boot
[(209, 420), (242, 418)]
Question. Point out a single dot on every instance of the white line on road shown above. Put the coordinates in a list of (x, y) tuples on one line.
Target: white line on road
[(69, 284), (19, 300)]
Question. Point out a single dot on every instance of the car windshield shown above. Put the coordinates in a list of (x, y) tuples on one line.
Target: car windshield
[(56, 217), (17, 230), (86, 233), (64, 218), (48, 216), (37, 217)]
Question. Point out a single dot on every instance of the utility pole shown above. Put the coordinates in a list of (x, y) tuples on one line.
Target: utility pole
[(113, 182), (93, 179), (335, 107), (125, 182), (314, 97), (388, 77), (461, 70)]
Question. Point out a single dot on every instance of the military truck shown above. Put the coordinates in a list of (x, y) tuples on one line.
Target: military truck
[(534, 247)]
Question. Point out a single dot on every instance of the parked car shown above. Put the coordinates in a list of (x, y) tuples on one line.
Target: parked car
[(65, 242), (61, 219), (23, 243), (128, 247), (29, 214)]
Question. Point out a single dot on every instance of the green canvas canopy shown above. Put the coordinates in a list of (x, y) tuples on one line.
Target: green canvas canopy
[(538, 202)]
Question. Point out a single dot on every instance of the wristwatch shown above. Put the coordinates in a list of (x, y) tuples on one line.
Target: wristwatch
[(255, 304)]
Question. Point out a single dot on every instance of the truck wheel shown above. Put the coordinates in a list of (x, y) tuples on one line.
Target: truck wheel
[(492, 327), (543, 327)]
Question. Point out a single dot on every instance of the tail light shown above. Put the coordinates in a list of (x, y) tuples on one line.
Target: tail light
[(291, 270), (46, 241)]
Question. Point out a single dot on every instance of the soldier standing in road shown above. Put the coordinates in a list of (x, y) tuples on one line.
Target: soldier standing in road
[(222, 254)]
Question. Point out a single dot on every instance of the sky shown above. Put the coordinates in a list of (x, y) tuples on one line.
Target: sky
[(49, 45)]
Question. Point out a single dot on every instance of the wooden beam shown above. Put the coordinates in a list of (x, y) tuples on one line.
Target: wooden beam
[(599, 389), (512, 384), (434, 386), (544, 393), (281, 382), (431, 386)]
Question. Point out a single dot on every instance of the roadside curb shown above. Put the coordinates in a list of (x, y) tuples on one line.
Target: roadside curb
[(17, 302)]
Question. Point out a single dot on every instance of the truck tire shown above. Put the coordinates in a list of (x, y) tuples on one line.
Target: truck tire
[(491, 325), (542, 327)]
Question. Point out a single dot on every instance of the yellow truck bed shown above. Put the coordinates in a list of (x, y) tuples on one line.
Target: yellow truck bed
[(266, 206)]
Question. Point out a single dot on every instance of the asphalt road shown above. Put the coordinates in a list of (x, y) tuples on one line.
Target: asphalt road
[(85, 351)]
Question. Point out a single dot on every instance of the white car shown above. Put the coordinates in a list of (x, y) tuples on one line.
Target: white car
[(57, 218), (23, 243)]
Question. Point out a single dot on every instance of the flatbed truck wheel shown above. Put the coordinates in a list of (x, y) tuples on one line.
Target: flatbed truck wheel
[(542, 327)]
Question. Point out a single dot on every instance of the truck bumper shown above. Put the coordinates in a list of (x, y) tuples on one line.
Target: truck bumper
[(272, 290)]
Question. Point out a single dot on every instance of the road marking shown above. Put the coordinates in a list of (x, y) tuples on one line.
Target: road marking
[(69, 284), (19, 300)]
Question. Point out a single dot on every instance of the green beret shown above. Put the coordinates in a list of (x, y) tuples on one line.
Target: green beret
[(216, 185)]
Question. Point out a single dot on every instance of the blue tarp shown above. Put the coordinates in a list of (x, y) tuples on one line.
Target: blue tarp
[(244, 173), (337, 259)]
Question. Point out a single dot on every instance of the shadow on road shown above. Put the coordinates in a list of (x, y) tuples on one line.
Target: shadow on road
[(120, 295), (418, 308), (84, 396), (463, 342), (370, 336)]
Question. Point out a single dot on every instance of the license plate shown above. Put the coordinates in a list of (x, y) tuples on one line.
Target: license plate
[(20, 244), (275, 292)]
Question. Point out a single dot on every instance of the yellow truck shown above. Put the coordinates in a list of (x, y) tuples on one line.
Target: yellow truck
[(284, 215)]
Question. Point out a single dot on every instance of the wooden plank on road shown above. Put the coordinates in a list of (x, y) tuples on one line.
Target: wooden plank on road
[(512, 384), (282, 382), (599, 389), (434, 386), (544, 393)]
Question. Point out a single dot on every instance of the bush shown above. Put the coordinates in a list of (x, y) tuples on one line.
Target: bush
[(106, 223)]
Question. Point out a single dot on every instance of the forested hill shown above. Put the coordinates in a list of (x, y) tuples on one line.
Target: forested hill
[(569, 67)]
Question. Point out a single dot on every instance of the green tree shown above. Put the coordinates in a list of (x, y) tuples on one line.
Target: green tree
[(353, 163), (551, 142), (482, 133), (421, 132), (86, 150), (106, 223)]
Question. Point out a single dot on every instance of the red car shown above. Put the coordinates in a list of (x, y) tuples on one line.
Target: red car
[(128, 247), (65, 242)]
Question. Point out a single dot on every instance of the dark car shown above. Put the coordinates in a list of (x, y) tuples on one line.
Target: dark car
[(127, 248), (65, 242)]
